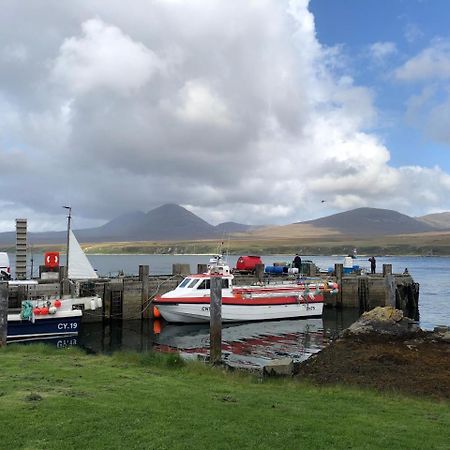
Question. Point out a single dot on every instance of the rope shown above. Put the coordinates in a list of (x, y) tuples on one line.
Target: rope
[(27, 310)]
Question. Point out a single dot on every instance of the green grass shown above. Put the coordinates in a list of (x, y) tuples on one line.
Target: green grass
[(63, 399)]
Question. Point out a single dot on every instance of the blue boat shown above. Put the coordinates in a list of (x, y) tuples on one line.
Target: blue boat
[(52, 318), (61, 323)]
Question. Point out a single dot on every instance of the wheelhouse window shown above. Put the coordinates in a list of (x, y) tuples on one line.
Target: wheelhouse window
[(192, 283), (184, 282), (206, 284)]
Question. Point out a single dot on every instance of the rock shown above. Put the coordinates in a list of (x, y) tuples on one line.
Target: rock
[(277, 367), (441, 329), (382, 320), (386, 313)]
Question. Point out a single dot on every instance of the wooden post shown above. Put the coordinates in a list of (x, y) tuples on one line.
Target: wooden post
[(259, 272), (181, 269), (390, 289), (202, 268), (363, 293), (339, 271), (215, 320), (144, 271), (3, 313), (387, 269), (64, 280)]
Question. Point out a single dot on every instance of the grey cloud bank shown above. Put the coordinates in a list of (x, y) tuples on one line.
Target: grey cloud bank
[(231, 109)]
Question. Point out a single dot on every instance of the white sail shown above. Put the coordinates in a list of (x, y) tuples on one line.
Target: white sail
[(79, 266)]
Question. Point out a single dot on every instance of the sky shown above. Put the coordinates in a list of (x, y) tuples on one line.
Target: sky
[(257, 111)]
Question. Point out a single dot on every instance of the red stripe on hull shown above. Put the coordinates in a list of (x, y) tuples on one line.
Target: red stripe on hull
[(240, 301)]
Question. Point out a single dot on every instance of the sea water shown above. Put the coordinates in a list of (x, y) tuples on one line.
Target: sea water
[(253, 344)]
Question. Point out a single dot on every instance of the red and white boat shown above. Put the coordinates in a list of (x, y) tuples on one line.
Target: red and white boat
[(190, 301)]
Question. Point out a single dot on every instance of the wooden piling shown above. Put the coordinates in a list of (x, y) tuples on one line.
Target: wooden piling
[(64, 281), (181, 269), (259, 272), (363, 293), (215, 321), (3, 313), (144, 272), (387, 269), (339, 271)]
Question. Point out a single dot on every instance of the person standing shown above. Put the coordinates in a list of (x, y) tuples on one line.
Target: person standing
[(373, 264), (297, 262)]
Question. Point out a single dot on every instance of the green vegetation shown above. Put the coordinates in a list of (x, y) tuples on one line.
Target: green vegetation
[(52, 399)]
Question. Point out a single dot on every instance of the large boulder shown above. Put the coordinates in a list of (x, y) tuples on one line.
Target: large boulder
[(383, 320)]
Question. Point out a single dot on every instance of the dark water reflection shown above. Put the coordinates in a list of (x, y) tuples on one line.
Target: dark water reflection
[(249, 344)]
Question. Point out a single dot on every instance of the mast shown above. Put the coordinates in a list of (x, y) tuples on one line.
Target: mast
[(69, 217)]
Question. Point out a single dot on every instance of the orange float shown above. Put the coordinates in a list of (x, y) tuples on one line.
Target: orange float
[(156, 313), (156, 327)]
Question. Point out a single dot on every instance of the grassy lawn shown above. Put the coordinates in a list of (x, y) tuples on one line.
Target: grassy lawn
[(62, 399)]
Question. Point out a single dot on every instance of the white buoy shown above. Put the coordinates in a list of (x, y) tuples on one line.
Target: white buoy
[(93, 304)]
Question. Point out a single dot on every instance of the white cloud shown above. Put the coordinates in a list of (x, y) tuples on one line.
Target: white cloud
[(431, 63), (199, 103), (413, 33), (232, 108), (104, 57), (429, 110), (380, 51)]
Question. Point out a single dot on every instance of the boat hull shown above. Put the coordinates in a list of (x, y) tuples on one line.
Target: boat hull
[(65, 324), (199, 312)]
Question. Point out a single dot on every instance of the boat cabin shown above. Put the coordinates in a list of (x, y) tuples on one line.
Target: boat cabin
[(203, 282)]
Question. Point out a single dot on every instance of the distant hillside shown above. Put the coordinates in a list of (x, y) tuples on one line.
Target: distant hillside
[(440, 221), (165, 223), (371, 221), (232, 227)]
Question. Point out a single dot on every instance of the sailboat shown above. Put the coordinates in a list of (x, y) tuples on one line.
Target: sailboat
[(59, 317)]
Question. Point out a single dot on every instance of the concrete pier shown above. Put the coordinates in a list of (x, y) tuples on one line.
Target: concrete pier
[(128, 298)]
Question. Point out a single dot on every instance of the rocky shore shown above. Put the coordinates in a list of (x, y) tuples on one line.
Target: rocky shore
[(388, 352)]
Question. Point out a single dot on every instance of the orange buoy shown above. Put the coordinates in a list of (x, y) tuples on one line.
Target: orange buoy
[(156, 313), (156, 327), (57, 303), (36, 311), (44, 311)]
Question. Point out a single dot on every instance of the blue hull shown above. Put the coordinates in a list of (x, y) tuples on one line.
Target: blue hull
[(43, 328)]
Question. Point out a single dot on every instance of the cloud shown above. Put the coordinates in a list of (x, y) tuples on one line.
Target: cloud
[(104, 57), (198, 103), (432, 63), (413, 33), (235, 110), (429, 109), (382, 50)]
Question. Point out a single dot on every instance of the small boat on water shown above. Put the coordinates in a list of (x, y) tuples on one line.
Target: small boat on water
[(41, 319), (190, 301), (51, 318)]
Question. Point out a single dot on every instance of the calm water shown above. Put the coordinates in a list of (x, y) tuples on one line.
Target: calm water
[(253, 344)]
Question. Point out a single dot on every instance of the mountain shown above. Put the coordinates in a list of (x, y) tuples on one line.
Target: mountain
[(167, 222), (173, 222), (371, 221), (440, 221), (233, 227)]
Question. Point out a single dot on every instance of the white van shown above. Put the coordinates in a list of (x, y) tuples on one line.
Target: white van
[(5, 268)]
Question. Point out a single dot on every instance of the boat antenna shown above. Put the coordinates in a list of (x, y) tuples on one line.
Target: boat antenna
[(69, 218)]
